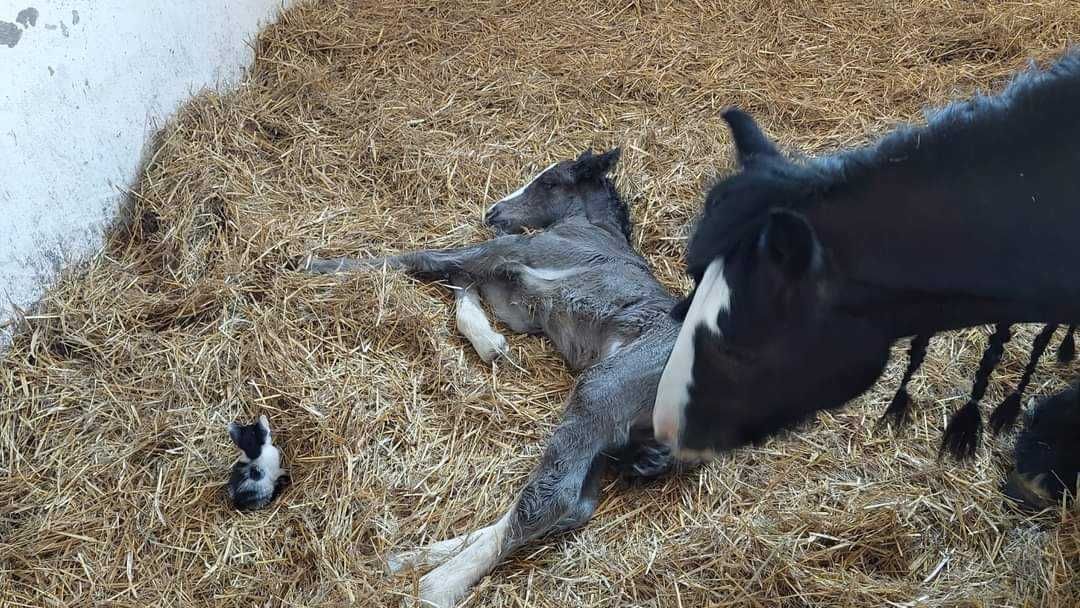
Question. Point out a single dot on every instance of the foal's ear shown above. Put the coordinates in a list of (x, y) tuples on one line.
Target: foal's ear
[(750, 141), (606, 161), (790, 243), (590, 166)]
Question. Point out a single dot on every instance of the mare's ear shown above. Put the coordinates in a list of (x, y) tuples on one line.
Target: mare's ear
[(789, 244), (750, 141)]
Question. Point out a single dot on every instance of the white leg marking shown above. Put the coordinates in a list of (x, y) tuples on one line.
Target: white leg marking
[(673, 391), (434, 554), (521, 190), (474, 325), (445, 585)]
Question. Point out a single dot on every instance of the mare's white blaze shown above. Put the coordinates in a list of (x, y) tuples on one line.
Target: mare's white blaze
[(673, 392), (520, 190), (473, 323), (445, 585)]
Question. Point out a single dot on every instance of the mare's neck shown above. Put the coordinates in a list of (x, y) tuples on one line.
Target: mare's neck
[(922, 248)]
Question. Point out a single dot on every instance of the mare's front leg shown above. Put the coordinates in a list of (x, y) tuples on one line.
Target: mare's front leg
[(561, 494)]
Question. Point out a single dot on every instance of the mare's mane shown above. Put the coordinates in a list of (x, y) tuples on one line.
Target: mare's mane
[(987, 127)]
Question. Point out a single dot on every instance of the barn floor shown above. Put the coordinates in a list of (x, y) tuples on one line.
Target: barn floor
[(371, 128)]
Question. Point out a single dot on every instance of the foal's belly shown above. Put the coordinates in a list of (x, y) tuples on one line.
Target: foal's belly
[(510, 307)]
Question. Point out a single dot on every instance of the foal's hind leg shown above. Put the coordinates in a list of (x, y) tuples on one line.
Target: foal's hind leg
[(561, 494)]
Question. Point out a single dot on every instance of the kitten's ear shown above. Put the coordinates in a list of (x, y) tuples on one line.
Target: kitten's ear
[(264, 424), (234, 433)]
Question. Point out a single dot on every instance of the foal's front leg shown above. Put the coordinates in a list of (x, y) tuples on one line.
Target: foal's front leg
[(460, 266), (473, 323), (480, 261)]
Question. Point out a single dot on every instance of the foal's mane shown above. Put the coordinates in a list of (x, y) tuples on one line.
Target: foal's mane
[(622, 212)]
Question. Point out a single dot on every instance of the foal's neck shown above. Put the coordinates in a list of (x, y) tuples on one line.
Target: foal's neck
[(604, 208)]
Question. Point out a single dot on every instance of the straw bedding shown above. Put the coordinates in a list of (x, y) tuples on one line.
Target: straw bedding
[(377, 127)]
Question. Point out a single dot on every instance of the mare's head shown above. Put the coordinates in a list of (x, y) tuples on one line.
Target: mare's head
[(577, 188), (764, 343)]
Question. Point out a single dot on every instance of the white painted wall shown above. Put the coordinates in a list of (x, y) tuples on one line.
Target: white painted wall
[(80, 92)]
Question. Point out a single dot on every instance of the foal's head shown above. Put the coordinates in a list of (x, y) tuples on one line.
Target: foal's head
[(567, 189), (763, 343)]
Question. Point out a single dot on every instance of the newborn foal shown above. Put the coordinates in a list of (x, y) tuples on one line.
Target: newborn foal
[(579, 282)]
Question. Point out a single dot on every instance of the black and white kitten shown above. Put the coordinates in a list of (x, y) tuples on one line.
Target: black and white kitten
[(257, 477)]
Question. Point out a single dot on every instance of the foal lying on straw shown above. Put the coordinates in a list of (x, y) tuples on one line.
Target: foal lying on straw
[(579, 282)]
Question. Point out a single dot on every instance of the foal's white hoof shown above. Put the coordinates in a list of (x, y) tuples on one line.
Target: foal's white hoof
[(399, 561), (492, 348), (436, 593)]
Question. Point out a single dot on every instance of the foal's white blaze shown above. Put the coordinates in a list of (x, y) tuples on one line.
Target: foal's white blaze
[(522, 189), (673, 392)]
